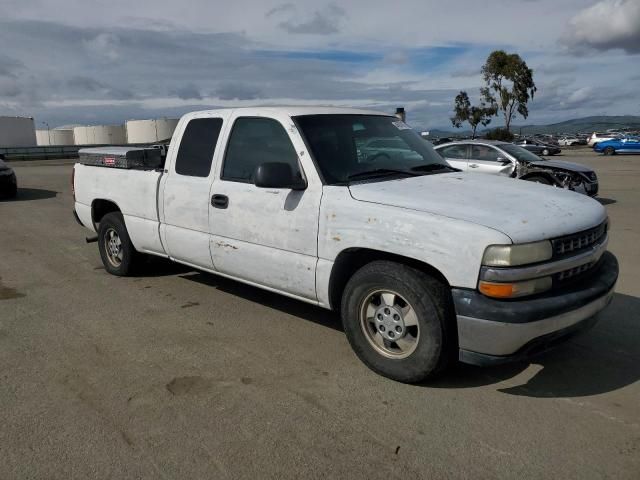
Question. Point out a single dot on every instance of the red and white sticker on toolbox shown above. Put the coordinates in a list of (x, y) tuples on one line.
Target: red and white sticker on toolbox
[(109, 161)]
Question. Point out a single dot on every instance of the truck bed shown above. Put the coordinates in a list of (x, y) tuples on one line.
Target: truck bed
[(135, 192)]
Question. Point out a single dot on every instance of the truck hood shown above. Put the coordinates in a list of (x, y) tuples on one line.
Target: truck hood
[(524, 211), (561, 164)]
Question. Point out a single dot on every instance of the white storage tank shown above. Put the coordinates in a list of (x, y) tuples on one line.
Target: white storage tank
[(150, 131), (100, 135), (56, 136), (17, 132), (109, 135), (81, 136)]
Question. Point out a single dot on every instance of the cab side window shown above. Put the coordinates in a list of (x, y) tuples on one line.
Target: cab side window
[(483, 152), (454, 151), (255, 141), (197, 146)]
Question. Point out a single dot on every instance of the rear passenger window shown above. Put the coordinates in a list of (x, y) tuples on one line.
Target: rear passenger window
[(197, 147), (255, 141)]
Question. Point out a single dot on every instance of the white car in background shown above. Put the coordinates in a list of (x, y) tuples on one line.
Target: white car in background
[(596, 138), (569, 141)]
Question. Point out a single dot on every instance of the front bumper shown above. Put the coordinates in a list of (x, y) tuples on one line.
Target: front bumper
[(494, 331)]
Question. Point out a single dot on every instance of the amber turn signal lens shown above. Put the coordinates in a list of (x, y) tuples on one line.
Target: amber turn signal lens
[(517, 289), (496, 290)]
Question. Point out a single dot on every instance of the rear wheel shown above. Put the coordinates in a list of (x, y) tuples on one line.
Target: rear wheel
[(609, 151), (118, 254), (399, 321)]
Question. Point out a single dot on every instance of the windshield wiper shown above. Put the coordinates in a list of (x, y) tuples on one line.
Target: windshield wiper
[(430, 167), (378, 172)]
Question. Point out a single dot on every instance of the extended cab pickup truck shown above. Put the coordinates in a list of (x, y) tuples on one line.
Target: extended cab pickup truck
[(426, 264)]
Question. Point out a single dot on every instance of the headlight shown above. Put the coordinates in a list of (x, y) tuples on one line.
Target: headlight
[(516, 289), (513, 255)]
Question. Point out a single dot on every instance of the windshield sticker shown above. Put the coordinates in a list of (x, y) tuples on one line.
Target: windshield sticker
[(401, 126)]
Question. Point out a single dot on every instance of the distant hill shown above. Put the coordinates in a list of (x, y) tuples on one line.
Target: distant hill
[(584, 125), (576, 125)]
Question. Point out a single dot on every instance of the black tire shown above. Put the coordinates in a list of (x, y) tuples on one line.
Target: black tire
[(539, 179), (545, 152), (13, 191), (609, 151), (113, 222), (436, 344)]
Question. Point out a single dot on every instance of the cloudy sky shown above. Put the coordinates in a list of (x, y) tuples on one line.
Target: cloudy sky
[(84, 61)]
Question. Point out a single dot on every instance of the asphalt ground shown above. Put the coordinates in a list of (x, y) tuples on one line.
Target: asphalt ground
[(181, 374)]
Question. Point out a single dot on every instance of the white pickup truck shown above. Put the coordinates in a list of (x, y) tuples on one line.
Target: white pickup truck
[(352, 211)]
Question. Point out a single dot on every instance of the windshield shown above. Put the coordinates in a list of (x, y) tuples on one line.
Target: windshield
[(521, 154), (349, 147)]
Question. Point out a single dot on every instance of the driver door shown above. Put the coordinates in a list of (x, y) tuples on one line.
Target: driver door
[(487, 159), (266, 236)]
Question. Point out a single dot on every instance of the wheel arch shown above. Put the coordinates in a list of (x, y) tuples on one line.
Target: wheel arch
[(100, 207), (350, 260), (546, 175)]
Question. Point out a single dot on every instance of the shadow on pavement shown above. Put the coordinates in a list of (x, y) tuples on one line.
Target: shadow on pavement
[(161, 267), (268, 299), (606, 201), (602, 360), (27, 194)]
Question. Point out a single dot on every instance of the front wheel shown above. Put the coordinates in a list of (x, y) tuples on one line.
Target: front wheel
[(539, 179), (399, 321), (545, 152), (118, 254), (12, 192)]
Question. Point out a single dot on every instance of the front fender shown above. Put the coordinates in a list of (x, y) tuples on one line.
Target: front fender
[(451, 246)]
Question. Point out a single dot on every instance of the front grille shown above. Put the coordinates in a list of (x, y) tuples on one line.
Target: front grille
[(578, 241), (574, 272)]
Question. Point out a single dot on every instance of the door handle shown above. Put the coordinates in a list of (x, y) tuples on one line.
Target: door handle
[(473, 165), (220, 201)]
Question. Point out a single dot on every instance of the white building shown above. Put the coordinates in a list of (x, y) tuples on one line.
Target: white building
[(56, 136), (17, 132), (100, 135)]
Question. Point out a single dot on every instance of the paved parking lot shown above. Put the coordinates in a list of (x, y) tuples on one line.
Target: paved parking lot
[(180, 374)]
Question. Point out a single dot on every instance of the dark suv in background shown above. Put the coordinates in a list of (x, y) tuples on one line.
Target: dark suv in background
[(8, 182)]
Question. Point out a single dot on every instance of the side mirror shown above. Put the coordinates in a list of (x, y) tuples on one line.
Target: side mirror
[(277, 175), (503, 161)]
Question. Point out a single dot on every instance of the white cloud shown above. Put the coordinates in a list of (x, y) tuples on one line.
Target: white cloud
[(412, 53), (580, 95), (104, 45), (609, 24)]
